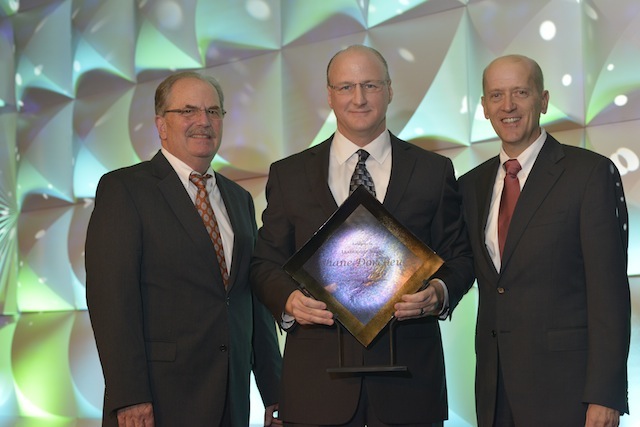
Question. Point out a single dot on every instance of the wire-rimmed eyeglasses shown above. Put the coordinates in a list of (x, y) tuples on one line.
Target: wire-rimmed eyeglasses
[(191, 112), (372, 86)]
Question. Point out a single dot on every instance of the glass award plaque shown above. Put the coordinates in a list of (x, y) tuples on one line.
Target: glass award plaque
[(360, 263)]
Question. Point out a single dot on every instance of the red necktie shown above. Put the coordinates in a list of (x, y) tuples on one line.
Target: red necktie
[(510, 194), (208, 217)]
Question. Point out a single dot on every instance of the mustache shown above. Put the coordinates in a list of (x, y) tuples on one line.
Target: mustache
[(201, 131)]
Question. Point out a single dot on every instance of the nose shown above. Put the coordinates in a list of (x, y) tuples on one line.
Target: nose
[(202, 116), (508, 104), (359, 97)]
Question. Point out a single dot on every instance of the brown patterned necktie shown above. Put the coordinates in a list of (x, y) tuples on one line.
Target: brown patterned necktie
[(510, 194), (361, 175), (208, 217)]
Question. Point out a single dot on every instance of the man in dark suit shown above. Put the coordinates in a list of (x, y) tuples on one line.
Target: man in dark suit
[(419, 189), (553, 329), (177, 328)]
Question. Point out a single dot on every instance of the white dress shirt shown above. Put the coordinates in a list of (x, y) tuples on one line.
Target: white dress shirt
[(343, 158)]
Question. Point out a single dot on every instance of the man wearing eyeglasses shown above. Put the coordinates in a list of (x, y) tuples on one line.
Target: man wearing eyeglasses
[(417, 187), (176, 325)]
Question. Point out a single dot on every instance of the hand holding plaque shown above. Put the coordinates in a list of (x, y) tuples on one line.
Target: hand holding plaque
[(360, 263)]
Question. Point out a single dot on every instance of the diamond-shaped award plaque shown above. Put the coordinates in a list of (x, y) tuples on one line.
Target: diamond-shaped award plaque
[(360, 263)]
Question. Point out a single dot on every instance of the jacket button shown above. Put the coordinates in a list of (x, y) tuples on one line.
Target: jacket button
[(223, 348), (501, 290), (493, 333)]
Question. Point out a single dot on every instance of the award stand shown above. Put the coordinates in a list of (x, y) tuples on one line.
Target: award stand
[(391, 367)]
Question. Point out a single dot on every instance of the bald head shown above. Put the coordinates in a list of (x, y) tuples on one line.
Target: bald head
[(359, 48), (534, 70)]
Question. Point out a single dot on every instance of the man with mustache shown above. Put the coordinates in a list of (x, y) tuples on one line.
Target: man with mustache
[(177, 328)]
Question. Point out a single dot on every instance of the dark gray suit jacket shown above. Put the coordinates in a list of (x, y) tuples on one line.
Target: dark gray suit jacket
[(422, 195), (166, 330), (556, 318)]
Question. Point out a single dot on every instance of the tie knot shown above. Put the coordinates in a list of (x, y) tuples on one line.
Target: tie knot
[(199, 180), (512, 166), (363, 155)]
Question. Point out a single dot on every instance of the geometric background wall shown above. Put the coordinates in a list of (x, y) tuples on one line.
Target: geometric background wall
[(76, 100)]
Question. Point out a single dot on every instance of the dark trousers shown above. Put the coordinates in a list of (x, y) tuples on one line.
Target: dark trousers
[(503, 416), (365, 416)]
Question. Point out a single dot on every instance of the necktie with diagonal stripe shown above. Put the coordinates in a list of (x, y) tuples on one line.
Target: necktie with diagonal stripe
[(208, 217)]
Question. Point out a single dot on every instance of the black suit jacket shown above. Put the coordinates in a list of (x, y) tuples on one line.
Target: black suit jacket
[(422, 194), (167, 331), (556, 318)]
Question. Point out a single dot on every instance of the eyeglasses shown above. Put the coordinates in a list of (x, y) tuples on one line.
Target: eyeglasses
[(192, 112), (373, 86)]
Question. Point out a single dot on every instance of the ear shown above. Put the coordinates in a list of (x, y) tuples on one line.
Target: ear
[(161, 125), (484, 108), (545, 102), (329, 97), (390, 92)]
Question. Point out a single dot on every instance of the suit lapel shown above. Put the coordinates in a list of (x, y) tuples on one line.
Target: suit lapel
[(236, 214), (545, 173), (483, 191), (178, 200), (402, 164), (317, 172)]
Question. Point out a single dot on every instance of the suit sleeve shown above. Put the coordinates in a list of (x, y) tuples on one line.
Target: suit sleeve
[(450, 240), (276, 243), (267, 360), (604, 236), (112, 256)]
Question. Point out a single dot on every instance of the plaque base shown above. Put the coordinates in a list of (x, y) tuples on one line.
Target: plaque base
[(391, 367)]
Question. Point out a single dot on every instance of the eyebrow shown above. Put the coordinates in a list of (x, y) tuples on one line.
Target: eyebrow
[(214, 107)]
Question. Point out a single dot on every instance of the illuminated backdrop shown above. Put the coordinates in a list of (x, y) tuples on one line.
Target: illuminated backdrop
[(76, 84)]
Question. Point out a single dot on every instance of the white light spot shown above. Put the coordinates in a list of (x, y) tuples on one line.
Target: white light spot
[(40, 234), (547, 30), (626, 160), (169, 15), (567, 80), (610, 67), (18, 79), (259, 9), (407, 55), (621, 100), (76, 66)]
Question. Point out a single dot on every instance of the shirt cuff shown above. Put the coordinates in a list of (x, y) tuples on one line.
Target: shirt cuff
[(287, 321), (444, 312)]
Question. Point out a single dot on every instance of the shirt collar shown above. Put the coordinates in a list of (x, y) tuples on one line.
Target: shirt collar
[(528, 157), (378, 149), (183, 170)]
